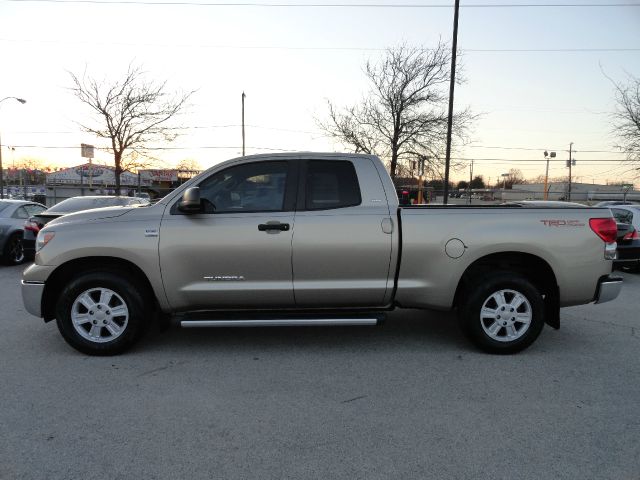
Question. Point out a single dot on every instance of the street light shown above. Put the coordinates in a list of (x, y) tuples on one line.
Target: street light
[(23, 101), (547, 156), (504, 180)]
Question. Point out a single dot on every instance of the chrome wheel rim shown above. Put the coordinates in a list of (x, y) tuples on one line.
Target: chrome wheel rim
[(16, 251), (99, 315), (506, 315)]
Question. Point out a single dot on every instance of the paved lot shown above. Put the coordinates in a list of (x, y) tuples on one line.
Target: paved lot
[(410, 399)]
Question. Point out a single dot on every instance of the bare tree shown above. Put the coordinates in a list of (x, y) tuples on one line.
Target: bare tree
[(133, 113), (515, 177), (189, 164), (404, 115), (627, 119)]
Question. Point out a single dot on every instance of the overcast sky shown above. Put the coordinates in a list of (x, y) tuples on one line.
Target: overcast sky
[(536, 74)]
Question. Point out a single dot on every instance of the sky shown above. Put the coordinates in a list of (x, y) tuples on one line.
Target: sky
[(537, 75)]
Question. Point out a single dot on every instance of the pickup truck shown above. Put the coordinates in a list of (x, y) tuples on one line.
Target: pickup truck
[(313, 239)]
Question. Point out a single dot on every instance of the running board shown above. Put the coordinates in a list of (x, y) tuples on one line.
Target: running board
[(282, 322)]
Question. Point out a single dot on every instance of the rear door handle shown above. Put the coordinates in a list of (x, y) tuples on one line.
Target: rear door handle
[(273, 227)]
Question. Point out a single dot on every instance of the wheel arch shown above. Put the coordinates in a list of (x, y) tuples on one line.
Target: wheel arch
[(534, 268), (60, 277)]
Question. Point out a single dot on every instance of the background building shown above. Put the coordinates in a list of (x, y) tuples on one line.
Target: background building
[(580, 192)]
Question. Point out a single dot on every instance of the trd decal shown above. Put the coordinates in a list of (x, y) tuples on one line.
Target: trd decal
[(563, 223)]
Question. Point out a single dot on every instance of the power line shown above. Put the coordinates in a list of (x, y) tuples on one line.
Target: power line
[(304, 48), (220, 147), (541, 149), (206, 147), (335, 5)]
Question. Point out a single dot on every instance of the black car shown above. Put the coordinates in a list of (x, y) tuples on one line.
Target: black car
[(628, 257), (71, 205)]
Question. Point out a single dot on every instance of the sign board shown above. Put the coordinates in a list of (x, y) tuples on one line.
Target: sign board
[(100, 175), (86, 150), (158, 175)]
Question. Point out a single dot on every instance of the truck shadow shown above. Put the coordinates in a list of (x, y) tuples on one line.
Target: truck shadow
[(406, 328)]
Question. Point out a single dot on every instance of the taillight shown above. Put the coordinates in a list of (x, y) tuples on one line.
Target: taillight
[(32, 226), (605, 228), (631, 236)]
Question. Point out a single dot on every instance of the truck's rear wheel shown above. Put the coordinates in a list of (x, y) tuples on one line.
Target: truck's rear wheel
[(502, 312), (100, 313)]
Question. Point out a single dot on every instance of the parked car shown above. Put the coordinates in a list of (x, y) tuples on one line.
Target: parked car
[(543, 204), (12, 216), (627, 214), (75, 204), (609, 203), (628, 251), (314, 239)]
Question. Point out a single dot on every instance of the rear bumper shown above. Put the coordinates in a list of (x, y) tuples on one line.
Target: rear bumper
[(29, 246), (32, 297), (628, 253), (608, 289)]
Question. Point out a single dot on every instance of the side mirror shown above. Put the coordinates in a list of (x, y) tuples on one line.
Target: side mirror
[(190, 202)]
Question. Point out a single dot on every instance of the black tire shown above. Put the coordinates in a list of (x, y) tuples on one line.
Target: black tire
[(478, 293), (13, 252), (129, 294)]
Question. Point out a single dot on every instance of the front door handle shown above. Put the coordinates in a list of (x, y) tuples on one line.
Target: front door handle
[(273, 227)]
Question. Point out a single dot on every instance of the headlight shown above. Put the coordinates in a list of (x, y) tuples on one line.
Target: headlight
[(43, 238)]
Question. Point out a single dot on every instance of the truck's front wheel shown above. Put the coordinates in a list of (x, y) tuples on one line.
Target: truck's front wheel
[(100, 313), (502, 312)]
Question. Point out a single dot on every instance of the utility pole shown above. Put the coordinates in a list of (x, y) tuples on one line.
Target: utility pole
[(470, 180), (570, 162), (1, 177), (243, 95), (421, 160), (452, 83), (547, 156)]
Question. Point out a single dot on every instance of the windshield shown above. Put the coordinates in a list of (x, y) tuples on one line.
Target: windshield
[(78, 204), (3, 205)]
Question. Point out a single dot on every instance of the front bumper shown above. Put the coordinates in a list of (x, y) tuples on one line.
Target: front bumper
[(32, 297), (608, 289)]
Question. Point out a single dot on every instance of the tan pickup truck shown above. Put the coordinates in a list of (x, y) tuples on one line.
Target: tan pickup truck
[(313, 239)]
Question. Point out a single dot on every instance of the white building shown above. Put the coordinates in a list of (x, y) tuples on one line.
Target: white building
[(89, 179)]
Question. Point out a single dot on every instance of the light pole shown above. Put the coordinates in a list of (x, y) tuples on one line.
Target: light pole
[(547, 156), (243, 97), (570, 162), (452, 83), (21, 100), (421, 160), (504, 183)]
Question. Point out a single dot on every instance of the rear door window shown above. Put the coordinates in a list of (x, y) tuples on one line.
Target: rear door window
[(33, 209), (21, 213), (331, 184)]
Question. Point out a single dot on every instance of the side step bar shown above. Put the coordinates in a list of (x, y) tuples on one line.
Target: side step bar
[(284, 322)]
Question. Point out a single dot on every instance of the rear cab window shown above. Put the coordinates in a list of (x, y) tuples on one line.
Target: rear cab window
[(622, 216)]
